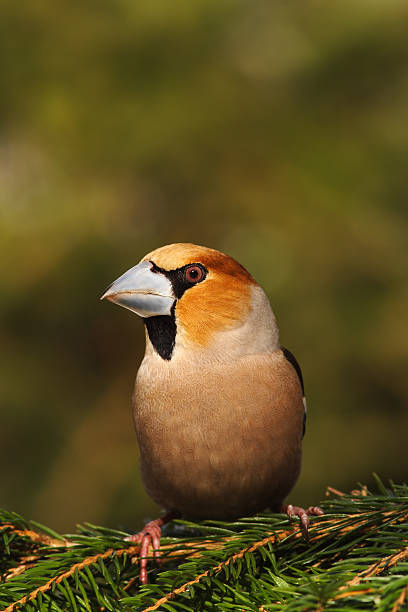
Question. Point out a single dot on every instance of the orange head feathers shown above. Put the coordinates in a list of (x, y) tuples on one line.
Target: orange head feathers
[(218, 301), (189, 293)]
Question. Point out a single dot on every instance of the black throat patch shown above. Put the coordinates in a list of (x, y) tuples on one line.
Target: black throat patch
[(162, 329), (162, 333)]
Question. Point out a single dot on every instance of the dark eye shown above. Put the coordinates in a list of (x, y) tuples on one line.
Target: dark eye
[(194, 274)]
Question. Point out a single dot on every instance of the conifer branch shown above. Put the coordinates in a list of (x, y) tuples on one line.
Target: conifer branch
[(357, 558), (213, 570)]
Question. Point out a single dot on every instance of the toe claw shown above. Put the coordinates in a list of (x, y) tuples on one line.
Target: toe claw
[(135, 538), (315, 510), (289, 510), (304, 522), (143, 558)]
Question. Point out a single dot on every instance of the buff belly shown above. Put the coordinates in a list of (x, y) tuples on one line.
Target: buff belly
[(220, 454)]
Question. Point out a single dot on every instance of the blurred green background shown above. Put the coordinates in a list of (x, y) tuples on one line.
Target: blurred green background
[(275, 131)]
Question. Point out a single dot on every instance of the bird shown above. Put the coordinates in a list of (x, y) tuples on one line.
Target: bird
[(218, 404)]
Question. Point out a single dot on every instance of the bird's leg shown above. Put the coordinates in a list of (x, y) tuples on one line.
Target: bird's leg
[(150, 534), (303, 515)]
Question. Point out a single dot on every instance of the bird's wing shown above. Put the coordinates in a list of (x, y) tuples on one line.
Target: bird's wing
[(292, 359)]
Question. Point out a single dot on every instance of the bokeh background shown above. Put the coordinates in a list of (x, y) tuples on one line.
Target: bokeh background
[(275, 131)]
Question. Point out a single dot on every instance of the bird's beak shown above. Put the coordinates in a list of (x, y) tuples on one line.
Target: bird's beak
[(143, 291)]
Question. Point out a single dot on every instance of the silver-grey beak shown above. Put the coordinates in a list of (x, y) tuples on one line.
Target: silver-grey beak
[(143, 291)]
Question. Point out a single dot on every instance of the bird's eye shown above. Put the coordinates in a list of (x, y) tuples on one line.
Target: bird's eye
[(194, 274)]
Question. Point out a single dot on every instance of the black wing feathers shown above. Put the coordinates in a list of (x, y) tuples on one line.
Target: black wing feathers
[(292, 359)]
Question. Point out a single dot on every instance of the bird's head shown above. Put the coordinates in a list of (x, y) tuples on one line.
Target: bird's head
[(189, 295)]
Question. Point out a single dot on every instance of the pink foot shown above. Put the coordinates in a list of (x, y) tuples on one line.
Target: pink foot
[(303, 515), (150, 534)]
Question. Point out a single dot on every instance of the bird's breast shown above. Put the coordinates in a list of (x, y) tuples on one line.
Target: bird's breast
[(221, 440)]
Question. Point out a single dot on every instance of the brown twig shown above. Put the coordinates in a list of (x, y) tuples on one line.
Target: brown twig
[(330, 490), (372, 570), (401, 599), (34, 536), (37, 539)]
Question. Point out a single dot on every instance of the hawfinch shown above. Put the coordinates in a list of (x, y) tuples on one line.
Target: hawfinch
[(219, 408)]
